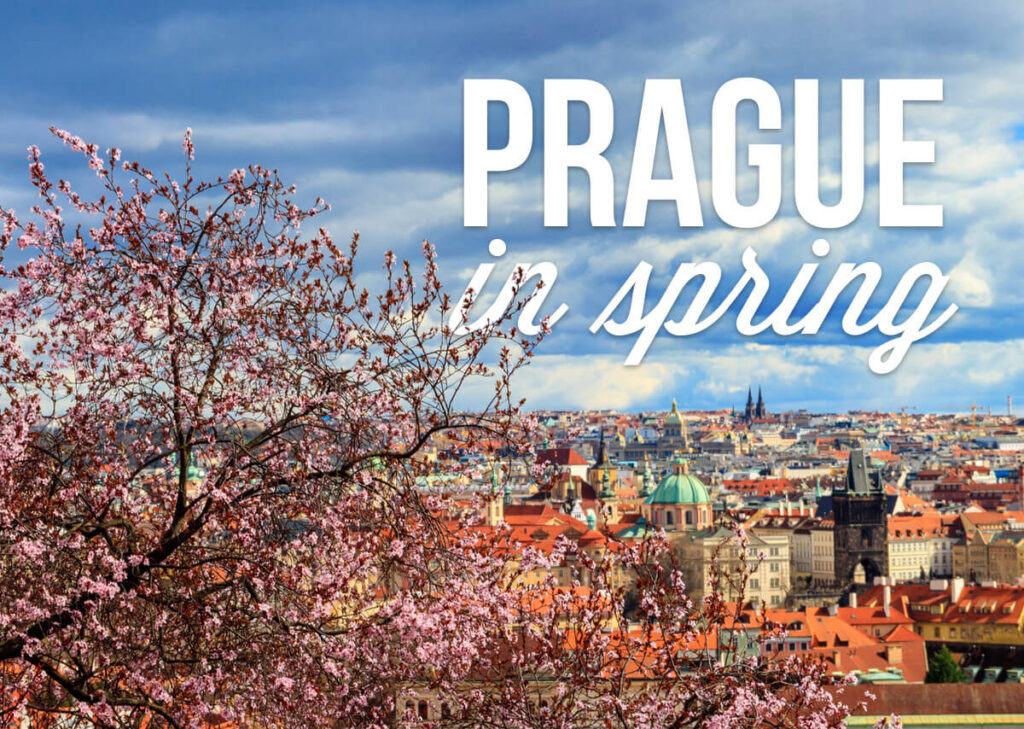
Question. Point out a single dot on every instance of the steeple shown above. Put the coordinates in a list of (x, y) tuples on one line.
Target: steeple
[(760, 404), (647, 485), (495, 506), (570, 497), (610, 499), (601, 457), (606, 486)]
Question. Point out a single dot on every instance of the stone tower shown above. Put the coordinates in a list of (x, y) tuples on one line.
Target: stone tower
[(859, 538)]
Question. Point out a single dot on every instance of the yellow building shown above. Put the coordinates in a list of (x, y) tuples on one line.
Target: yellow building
[(948, 612)]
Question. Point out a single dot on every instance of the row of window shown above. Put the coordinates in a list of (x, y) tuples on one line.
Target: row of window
[(755, 583)]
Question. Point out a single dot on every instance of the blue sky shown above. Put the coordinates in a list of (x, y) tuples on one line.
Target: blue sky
[(361, 104)]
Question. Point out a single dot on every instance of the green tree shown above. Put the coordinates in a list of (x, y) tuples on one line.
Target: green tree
[(943, 669)]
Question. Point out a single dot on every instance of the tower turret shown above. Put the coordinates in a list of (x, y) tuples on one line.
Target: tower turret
[(647, 482), (609, 497), (495, 503), (607, 492)]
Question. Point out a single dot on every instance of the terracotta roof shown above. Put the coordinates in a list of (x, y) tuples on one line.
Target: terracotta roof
[(902, 634), (924, 526), (910, 658), (561, 457), (975, 605)]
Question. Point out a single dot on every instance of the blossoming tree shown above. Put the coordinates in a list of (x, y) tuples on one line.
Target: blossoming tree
[(210, 439)]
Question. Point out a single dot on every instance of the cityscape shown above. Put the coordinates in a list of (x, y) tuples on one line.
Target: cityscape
[(512, 366), (880, 537)]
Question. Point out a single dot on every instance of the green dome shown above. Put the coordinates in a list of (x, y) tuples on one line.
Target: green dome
[(680, 488)]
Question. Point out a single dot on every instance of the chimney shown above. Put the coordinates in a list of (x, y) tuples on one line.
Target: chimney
[(853, 599), (886, 600), (894, 653), (956, 586)]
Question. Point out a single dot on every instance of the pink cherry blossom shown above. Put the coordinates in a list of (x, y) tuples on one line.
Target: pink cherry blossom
[(210, 439)]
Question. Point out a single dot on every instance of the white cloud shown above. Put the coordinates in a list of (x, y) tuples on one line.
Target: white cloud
[(585, 381), (827, 377), (969, 282)]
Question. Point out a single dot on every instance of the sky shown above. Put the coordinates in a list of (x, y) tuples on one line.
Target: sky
[(362, 104)]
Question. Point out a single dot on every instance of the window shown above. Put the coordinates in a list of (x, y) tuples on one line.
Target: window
[(775, 567), (775, 582), (424, 710), (689, 517), (754, 583), (668, 517)]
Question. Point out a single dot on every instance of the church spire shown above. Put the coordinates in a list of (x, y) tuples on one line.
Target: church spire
[(607, 492), (646, 489), (570, 496)]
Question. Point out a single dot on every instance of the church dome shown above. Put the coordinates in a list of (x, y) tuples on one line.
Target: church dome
[(680, 488), (674, 417)]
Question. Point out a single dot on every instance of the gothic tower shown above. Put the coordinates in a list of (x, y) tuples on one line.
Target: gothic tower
[(859, 538)]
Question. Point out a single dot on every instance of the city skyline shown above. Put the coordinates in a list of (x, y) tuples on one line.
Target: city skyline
[(908, 410)]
